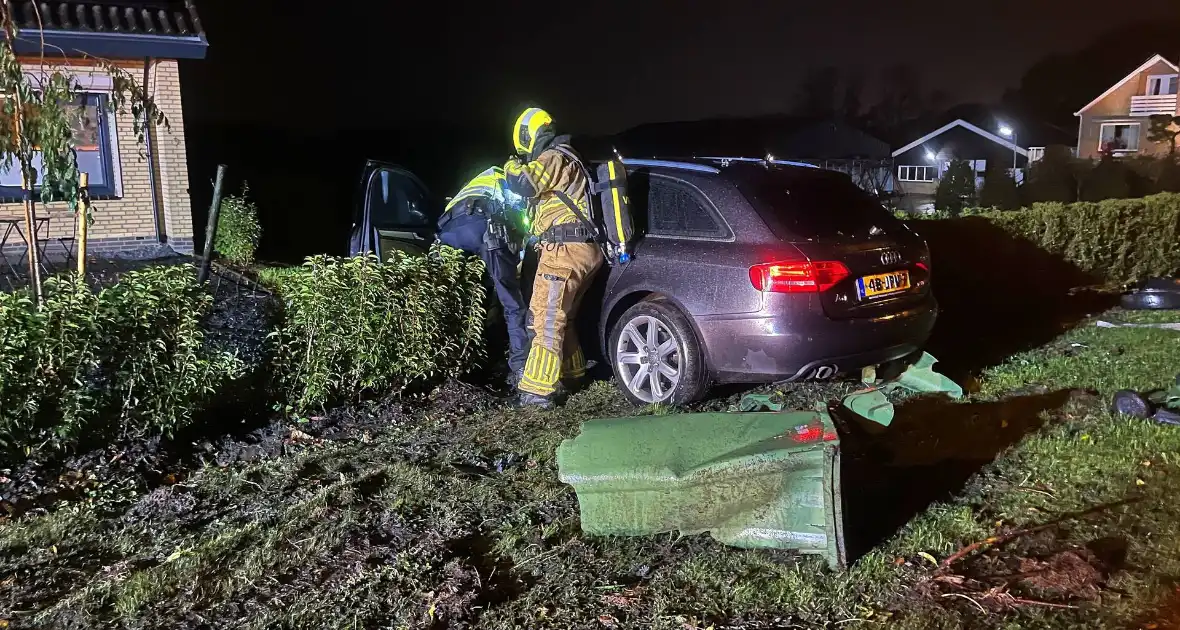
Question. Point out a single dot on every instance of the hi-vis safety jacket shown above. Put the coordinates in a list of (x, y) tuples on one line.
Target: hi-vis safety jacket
[(538, 181), (488, 184)]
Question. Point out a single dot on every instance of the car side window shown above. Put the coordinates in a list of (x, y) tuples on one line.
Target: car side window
[(396, 200), (677, 210)]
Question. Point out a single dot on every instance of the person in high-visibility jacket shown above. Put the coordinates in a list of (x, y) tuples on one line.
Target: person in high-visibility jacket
[(556, 187), (481, 219)]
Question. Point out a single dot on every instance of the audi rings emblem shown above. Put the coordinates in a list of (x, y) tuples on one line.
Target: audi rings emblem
[(890, 257)]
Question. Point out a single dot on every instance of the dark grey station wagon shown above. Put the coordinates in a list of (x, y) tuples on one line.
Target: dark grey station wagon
[(745, 271)]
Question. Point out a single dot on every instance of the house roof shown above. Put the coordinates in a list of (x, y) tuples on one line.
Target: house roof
[(959, 122), (113, 28), (784, 136), (1134, 73)]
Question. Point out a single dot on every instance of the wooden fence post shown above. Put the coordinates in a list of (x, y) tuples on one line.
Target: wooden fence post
[(34, 249), (211, 226), (83, 223)]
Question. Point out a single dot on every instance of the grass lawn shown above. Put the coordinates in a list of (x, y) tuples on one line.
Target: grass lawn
[(449, 515)]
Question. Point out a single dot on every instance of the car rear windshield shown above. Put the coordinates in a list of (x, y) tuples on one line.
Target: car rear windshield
[(799, 203)]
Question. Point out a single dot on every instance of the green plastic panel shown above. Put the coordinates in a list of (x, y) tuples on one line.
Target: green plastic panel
[(871, 404), (752, 480), (921, 378)]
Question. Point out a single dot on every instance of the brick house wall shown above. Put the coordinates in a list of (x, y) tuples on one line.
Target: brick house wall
[(1116, 107), (127, 222)]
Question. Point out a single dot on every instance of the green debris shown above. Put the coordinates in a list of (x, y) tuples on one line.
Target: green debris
[(759, 402), (750, 479), (922, 379), (872, 404)]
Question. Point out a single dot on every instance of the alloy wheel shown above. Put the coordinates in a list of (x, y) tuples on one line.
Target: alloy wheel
[(648, 359)]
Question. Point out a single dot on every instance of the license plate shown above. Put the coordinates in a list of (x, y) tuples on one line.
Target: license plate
[(883, 284)]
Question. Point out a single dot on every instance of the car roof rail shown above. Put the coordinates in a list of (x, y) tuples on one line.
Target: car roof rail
[(727, 159), (794, 163), (687, 166)]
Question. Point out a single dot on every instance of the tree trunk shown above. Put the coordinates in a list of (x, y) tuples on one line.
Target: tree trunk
[(26, 181)]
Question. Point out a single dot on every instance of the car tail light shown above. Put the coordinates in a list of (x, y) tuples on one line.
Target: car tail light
[(797, 277), (812, 432)]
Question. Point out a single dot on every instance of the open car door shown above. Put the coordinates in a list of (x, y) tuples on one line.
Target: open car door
[(394, 211)]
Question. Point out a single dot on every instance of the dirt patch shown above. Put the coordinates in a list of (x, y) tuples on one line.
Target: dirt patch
[(1040, 571), (1066, 575)]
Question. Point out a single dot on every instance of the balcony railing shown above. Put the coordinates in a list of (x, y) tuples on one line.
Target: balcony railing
[(1152, 105)]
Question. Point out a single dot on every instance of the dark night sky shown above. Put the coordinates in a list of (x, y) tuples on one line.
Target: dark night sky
[(475, 64)]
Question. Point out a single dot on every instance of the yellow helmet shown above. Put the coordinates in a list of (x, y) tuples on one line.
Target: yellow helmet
[(529, 126)]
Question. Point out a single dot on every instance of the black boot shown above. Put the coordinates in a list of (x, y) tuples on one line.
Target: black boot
[(514, 379), (529, 399), (569, 386)]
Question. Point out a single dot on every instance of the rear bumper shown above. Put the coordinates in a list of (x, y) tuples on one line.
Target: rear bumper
[(767, 348)]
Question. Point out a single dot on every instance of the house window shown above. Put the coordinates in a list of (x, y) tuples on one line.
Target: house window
[(1119, 137), (1162, 84), (916, 173), (93, 141)]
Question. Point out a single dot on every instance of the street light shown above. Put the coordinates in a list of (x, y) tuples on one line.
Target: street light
[(1009, 132)]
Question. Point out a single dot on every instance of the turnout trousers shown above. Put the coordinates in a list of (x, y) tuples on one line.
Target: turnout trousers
[(564, 274)]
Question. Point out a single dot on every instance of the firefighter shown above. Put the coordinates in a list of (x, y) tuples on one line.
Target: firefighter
[(557, 190), (480, 220)]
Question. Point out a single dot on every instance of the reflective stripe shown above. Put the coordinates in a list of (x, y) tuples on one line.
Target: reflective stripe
[(541, 372), (555, 286), (615, 197), (575, 365), (538, 172), (489, 184), (527, 116)]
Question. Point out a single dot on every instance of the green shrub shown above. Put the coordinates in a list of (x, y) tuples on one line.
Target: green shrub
[(354, 326), (238, 231), (1117, 240), (999, 189), (1053, 178), (127, 361), (956, 189), (1109, 179), (274, 277)]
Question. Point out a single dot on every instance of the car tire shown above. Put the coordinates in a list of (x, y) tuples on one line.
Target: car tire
[(1151, 300), (1129, 402), (1162, 284), (685, 358)]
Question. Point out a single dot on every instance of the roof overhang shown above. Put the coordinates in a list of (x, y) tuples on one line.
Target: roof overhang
[(966, 125), (110, 45), (1134, 73)]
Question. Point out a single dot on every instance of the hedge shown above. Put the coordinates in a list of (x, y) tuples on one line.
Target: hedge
[(127, 361), (238, 230), (354, 326), (1117, 241)]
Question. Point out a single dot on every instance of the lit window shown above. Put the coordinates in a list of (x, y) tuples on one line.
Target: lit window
[(1162, 84), (916, 173), (1119, 137), (93, 142)]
